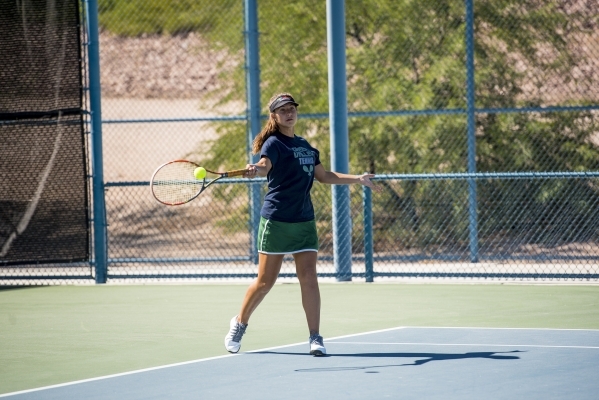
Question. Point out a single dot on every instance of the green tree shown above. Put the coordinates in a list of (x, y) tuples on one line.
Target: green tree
[(410, 55)]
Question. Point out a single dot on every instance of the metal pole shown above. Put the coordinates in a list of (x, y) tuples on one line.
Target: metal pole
[(99, 207), (342, 232), (472, 202), (252, 59), (368, 239)]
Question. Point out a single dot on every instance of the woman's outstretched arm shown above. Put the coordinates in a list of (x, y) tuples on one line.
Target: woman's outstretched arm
[(337, 178)]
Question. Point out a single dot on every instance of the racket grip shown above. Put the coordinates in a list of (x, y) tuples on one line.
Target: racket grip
[(236, 172)]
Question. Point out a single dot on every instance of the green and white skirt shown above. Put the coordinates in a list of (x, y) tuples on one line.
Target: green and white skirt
[(276, 237)]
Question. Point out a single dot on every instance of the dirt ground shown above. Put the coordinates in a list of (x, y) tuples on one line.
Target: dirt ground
[(132, 151), (157, 77)]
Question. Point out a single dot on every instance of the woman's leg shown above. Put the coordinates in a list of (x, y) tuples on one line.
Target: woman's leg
[(269, 266), (305, 266)]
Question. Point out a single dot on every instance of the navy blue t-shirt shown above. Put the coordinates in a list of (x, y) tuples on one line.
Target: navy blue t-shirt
[(290, 178)]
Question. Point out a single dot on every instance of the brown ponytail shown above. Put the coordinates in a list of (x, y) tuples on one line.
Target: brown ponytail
[(270, 127)]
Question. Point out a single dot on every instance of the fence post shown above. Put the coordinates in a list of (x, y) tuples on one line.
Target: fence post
[(368, 237), (342, 232), (472, 201), (99, 204), (252, 58)]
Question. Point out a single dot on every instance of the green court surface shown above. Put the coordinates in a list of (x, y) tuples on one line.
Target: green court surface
[(51, 335)]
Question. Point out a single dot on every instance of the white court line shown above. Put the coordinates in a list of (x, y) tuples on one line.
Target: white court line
[(499, 328), (467, 344), (179, 364), (114, 375)]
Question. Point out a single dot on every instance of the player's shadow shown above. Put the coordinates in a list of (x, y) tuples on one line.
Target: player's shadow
[(422, 358)]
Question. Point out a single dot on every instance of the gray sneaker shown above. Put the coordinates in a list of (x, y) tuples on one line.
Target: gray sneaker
[(317, 346), (233, 338)]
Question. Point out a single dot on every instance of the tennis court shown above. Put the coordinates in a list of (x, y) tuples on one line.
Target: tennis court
[(383, 340), (407, 362)]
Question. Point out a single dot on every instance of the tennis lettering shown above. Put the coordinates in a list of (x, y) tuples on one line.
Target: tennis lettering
[(306, 161)]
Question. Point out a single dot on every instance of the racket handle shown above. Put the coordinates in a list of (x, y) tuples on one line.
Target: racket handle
[(236, 172)]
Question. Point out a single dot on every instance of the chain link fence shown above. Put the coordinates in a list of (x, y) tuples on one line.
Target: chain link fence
[(480, 119)]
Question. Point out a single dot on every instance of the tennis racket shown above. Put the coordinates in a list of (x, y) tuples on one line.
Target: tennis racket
[(174, 183)]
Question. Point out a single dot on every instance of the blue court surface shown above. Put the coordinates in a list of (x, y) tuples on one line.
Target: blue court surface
[(404, 362)]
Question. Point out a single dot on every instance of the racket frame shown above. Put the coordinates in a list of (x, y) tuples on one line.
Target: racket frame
[(236, 172)]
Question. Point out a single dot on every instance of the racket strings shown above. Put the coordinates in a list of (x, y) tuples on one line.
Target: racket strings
[(175, 183)]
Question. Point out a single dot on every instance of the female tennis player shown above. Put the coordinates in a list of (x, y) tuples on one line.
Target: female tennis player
[(287, 224)]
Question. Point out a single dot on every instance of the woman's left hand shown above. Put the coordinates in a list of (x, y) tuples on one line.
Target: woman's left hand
[(365, 179)]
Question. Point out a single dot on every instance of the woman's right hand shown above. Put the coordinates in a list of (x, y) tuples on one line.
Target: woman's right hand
[(252, 171), (261, 168)]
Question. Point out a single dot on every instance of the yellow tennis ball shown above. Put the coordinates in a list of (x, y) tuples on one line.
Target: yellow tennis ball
[(199, 173)]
